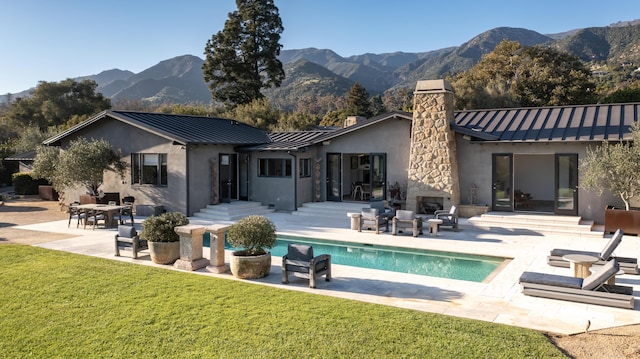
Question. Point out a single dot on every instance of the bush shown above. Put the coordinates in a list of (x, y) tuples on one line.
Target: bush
[(24, 184), (253, 233), (161, 228)]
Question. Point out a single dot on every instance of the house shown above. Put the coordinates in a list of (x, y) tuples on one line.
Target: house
[(509, 159)]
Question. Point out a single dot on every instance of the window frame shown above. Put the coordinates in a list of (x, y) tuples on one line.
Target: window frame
[(305, 167), (140, 172), (275, 167)]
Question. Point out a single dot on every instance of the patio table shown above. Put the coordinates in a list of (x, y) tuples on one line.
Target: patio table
[(108, 210)]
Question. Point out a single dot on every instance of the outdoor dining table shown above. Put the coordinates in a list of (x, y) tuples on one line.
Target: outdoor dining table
[(109, 211)]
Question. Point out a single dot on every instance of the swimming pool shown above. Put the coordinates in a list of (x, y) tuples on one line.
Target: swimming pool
[(468, 267)]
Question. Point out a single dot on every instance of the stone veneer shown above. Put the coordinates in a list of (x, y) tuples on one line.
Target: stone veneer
[(433, 169)]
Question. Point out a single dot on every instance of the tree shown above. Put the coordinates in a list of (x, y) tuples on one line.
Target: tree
[(258, 113), (242, 59), (83, 163), (53, 104), (621, 96), (29, 138), (614, 167), (512, 75), (357, 101)]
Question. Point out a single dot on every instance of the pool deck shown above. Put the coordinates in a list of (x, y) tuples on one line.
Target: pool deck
[(497, 300)]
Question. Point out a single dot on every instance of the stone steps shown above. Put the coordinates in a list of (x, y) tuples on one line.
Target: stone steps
[(228, 212), (540, 223)]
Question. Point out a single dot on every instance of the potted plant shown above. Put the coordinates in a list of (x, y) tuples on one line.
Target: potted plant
[(164, 242), (253, 234)]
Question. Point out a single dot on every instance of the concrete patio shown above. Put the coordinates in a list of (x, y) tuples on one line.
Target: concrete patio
[(497, 300)]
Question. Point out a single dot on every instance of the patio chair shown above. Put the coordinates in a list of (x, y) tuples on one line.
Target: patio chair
[(449, 218), (127, 212), (75, 213), (371, 218), (590, 290), (382, 209), (127, 238), (406, 220), (627, 264), (93, 217), (300, 260)]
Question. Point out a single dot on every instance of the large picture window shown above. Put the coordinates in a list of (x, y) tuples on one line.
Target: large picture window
[(149, 168), (274, 167)]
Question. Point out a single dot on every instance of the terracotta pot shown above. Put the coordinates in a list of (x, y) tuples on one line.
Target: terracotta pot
[(250, 267), (164, 252)]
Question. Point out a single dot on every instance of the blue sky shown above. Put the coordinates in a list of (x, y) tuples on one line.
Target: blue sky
[(42, 40)]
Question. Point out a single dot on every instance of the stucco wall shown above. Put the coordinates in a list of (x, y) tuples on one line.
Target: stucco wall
[(474, 163), (200, 189), (129, 140), (277, 192)]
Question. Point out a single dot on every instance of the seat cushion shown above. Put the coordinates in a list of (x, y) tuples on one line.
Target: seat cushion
[(405, 215), (299, 252), (602, 275), (127, 231), (613, 243), (551, 279)]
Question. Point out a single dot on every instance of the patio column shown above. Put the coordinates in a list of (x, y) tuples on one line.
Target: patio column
[(190, 248), (216, 239)]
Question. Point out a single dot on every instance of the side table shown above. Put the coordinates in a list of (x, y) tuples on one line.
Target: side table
[(433, 226), (580, 264)]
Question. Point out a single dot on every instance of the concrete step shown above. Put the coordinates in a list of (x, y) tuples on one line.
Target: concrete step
[(336, 210), (232, 211), (539, 223)]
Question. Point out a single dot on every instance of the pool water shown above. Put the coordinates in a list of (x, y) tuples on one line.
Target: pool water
[(468, 267)]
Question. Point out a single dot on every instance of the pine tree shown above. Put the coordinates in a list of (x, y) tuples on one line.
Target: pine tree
[(357, 101), (243, 57)]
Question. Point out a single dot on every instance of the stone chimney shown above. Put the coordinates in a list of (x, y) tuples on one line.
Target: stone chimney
[(433, 169)]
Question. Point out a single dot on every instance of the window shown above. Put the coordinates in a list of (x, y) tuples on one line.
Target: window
[(149, 168), (305, 167), (274, 167)]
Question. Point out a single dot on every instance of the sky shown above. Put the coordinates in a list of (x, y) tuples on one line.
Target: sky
[(43, 40)]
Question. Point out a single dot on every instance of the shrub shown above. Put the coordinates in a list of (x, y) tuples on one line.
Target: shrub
[(161, 228), (253, 233), (24, 184)]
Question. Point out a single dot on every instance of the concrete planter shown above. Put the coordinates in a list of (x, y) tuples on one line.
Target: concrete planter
[(164, 252), (468, 211), (250, 267)]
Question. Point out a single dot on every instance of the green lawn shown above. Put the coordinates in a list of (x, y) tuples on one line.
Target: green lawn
[(61, 305)]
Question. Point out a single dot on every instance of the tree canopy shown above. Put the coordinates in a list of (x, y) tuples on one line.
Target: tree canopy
[(56, 103), (82, 164), (242, 59), (614, 167), (357, 101), (513, 75)]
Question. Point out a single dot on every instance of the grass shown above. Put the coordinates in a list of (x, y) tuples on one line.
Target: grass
[(62, 305)]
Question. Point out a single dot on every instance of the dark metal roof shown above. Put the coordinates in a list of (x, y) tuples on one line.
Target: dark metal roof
[(27, 156), (288, 141), (549, 124), (181, 129), (364, 123)]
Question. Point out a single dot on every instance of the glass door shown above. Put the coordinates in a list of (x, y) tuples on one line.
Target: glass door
[(502, 197), (566, 191), (378, 176), (228, 182), (334, 164)]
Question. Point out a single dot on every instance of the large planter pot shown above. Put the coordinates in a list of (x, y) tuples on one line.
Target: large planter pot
[(627, 221), (248, 266), (164, 252)]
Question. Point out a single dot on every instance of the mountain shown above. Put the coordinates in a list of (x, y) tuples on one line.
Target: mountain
[(315, 72)]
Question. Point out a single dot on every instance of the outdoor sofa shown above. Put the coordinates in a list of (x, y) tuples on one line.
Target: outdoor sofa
[(590, 290), (628, 265)]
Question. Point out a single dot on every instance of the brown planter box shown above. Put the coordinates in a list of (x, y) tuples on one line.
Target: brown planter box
[(627, 221), (47, 193), (108, 196)]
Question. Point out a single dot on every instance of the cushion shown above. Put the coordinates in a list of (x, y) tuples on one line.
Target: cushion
[(611, 245), (405, 215), (127, 231), (369, 213), (598, 278), (551, 279), (299, 252), (558, 252)]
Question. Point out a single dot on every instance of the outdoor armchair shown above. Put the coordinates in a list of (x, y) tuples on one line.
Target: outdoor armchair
[(371, 218), (406, 220), (127, 238), (300, 260), (449, 218)]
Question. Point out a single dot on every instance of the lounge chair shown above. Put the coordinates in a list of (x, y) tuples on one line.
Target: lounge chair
[(449, 218), (628, 265), (300, 260), (126, 238), (590, 290), (406, 220), (371, 218)]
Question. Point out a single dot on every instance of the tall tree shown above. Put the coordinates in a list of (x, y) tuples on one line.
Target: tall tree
[(357, 101), (55, 103), (243, 57)]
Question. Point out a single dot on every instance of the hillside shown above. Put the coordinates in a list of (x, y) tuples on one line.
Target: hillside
[(319, 72)]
